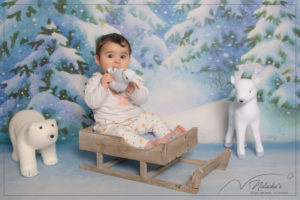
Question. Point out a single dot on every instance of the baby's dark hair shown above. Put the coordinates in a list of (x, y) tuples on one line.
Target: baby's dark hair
[(112, 37)]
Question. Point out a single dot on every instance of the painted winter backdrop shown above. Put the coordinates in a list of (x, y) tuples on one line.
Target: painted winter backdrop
[(186, 51)]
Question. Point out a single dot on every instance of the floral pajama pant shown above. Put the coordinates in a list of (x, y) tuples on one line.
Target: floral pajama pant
[(133, 129)]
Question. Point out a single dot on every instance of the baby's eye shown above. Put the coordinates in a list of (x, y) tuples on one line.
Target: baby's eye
[(123, 57), (110, 56)]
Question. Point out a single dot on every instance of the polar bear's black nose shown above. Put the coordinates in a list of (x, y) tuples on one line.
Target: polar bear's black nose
[(51, 136)]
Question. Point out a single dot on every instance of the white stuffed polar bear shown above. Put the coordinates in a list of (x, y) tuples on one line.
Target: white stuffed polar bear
[(30, 131)]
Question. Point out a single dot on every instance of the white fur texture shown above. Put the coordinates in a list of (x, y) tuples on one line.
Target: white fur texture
[(244, 112), (29, 131), (122, 77)]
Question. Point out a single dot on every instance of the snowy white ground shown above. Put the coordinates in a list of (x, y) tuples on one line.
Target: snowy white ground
[(67, 181), (275, 176)]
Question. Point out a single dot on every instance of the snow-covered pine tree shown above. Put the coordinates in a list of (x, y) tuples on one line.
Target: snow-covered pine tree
[(140, 25), (17, 16), (273, 43), (210, 40), (62, 79), (83, 23), (50, 80)]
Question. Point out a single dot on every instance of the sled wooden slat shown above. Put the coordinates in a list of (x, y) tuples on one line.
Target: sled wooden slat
[(164, 155), (143, 169), (161, 169), (192, 161), (113, 162)]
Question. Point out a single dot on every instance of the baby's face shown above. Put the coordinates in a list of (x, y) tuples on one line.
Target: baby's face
[(113, 55)]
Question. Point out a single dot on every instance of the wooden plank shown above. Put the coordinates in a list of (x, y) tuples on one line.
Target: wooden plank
[(143, 169), (113, 162), (212, 164), (99, 159), (195, 179), (134, 177), (218, 162), (160, 169), (192, 161), (225, 159)]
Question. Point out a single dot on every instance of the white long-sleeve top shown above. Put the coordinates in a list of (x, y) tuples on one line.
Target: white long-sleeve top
[(108, 107)]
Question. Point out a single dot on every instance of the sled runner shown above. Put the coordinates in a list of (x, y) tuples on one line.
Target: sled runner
[(164, 155)]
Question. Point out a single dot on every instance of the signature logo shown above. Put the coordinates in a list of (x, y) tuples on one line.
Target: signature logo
[(267, 183)]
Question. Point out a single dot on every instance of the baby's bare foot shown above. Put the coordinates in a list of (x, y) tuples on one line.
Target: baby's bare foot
[(179, 130)]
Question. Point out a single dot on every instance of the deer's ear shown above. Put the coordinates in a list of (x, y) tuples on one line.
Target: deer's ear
[(232, 80)]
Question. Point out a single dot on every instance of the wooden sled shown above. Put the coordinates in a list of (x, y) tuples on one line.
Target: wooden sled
[(164, 155)]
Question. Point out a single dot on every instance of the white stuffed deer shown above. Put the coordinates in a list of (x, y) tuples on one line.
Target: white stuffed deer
[(244, 112)]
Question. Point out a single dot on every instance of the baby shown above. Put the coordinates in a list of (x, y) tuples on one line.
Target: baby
[(120, 114)]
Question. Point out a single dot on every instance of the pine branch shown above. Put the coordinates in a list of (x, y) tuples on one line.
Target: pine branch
[(24, 40), (261, 14), (254, 40), (60, 6), (34, 65), (70, 39), (17, 15), (209, 21), (48, 31), (4, 128), (63, 95), (67, 68), (9, 3), (51, 48), (297, 32), (24, 91), (63, 131), (36, 44), (44, 61), (186, 37), (30, 10), (13, 39), (21, 70), (81, 67), (4, 49), (46, 80)]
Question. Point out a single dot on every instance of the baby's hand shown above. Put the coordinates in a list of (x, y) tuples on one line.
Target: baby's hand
[(106, 79)]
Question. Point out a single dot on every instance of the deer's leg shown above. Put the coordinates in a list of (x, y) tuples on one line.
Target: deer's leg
[(255, 128), (240, 136), (230, 131)]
